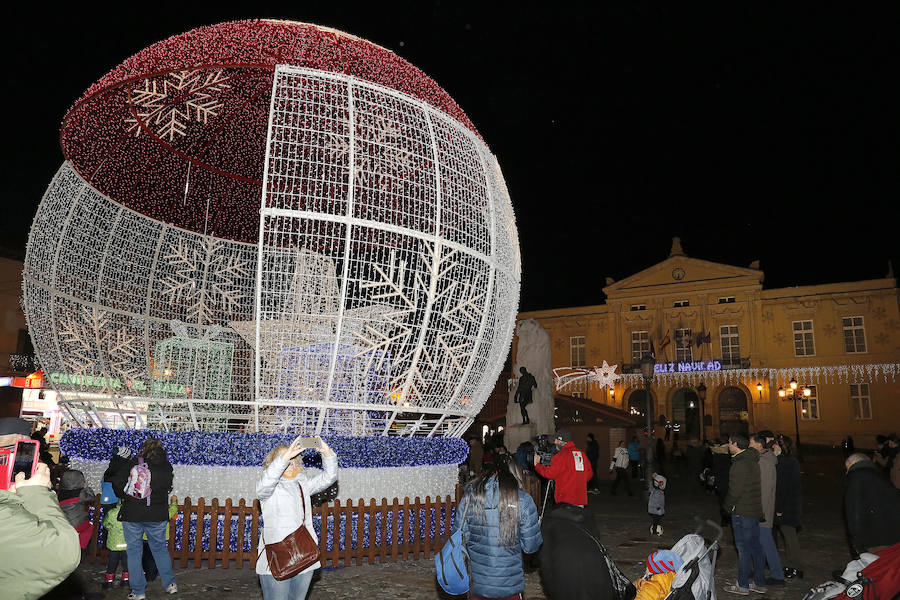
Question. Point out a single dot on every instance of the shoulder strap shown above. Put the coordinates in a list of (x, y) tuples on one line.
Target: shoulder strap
[(302, 522)]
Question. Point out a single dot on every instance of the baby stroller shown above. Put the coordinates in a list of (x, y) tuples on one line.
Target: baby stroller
[(695, 580), (869, 577)]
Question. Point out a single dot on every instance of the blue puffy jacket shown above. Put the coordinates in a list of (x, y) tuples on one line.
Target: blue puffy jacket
[(496, 571)]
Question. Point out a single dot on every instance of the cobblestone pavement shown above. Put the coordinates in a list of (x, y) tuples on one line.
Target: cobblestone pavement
[(623, 521)]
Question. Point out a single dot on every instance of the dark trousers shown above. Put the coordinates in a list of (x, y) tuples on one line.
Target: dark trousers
[(750, 553), (116, 557), (621, 475)]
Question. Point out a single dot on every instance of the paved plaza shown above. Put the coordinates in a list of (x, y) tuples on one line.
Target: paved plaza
[(622, 519)]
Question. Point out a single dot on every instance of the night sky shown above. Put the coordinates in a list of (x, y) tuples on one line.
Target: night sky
[(750, 132)]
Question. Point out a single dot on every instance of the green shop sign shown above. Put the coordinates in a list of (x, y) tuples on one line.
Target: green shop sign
[(97, 381)]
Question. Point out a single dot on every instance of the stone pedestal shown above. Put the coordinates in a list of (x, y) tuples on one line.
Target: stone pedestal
[(533, 353), (516, 434)]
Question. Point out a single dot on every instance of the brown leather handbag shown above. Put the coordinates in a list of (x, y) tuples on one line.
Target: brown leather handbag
[(294, 553)]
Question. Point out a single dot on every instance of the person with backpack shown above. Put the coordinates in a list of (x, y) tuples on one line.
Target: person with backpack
[(143, 484), (498, 521)]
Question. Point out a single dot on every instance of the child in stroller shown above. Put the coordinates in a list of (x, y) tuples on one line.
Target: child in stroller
[(657, 580), (694, 566)]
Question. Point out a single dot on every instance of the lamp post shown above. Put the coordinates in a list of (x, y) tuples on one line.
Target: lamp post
[(701, 393), (795, 396), (648, 363)]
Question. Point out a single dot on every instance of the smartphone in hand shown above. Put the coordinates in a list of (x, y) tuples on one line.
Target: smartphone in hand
[(22, 459)]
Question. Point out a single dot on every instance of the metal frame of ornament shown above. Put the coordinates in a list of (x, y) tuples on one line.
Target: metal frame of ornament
[(387, 241)]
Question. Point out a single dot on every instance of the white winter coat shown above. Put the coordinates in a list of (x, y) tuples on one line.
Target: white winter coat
[(279, 499), (621, 458)]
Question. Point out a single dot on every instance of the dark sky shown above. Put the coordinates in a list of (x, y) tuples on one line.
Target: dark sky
[(758, 132)]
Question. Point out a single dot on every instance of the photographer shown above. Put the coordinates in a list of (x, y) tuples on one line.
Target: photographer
[(569, 469), (38, 547)]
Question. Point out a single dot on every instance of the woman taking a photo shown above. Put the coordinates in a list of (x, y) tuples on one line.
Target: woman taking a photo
[(499, 521), (284, 489)]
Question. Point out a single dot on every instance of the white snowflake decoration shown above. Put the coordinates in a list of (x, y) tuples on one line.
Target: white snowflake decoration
[(171, 102)]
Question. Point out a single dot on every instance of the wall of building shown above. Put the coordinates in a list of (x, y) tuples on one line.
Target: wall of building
[(12, 320)]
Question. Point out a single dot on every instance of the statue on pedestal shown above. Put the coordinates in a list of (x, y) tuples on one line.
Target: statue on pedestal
[(533, 389)]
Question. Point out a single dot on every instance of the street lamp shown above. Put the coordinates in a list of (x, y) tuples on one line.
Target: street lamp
[(795, 396), (701, 393), (648, 364), (759, 389)]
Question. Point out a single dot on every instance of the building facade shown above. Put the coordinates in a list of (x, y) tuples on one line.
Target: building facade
[(714, 324)]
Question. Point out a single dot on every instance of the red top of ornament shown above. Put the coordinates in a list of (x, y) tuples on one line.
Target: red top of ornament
[(178, 131)]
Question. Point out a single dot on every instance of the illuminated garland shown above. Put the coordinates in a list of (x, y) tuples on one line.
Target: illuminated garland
[(250, 449)]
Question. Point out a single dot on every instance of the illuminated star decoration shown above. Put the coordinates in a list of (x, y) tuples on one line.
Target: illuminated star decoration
[(604, 376)]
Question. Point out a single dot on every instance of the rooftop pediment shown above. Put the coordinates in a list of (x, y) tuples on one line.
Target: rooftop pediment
[(682, 274)]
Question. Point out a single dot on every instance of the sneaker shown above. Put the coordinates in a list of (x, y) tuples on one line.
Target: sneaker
[(133, 596), (759, 589), (172, 589), (736, 589)]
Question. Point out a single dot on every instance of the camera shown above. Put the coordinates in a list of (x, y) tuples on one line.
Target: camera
[(545, 449)]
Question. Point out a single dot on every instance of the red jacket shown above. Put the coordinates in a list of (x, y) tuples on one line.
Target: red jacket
[(570, 469)]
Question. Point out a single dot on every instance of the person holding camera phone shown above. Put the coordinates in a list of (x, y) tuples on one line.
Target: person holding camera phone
[(38, 547), (284, 489)]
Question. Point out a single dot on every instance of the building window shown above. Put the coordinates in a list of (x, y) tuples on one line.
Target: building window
[(803, 339), (684, 345), (640, 345), (809, 407), (576, 351), (681, 303), (638, 307), (859, 397), (579, 395), (731, 343), (854, 335), (726, 300)]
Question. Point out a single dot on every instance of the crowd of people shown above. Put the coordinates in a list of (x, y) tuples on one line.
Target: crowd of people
[(47, 522), (756, 479)]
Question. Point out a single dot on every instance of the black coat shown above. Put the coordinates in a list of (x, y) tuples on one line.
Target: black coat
[(134, 509), (744, 495), (871, 507), (593, 450), (788, 499), (572, 565)]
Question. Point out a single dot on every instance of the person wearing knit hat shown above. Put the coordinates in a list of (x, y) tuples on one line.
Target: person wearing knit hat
[(657, 580)]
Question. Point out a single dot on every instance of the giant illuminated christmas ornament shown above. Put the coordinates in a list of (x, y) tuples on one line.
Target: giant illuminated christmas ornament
[(268, 226)]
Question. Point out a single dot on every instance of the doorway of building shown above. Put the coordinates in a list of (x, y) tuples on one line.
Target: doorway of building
[(733, 412), (686, 413), (637, 404)]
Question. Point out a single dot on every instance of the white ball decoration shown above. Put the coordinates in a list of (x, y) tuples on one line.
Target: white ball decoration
[(311, 245)]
